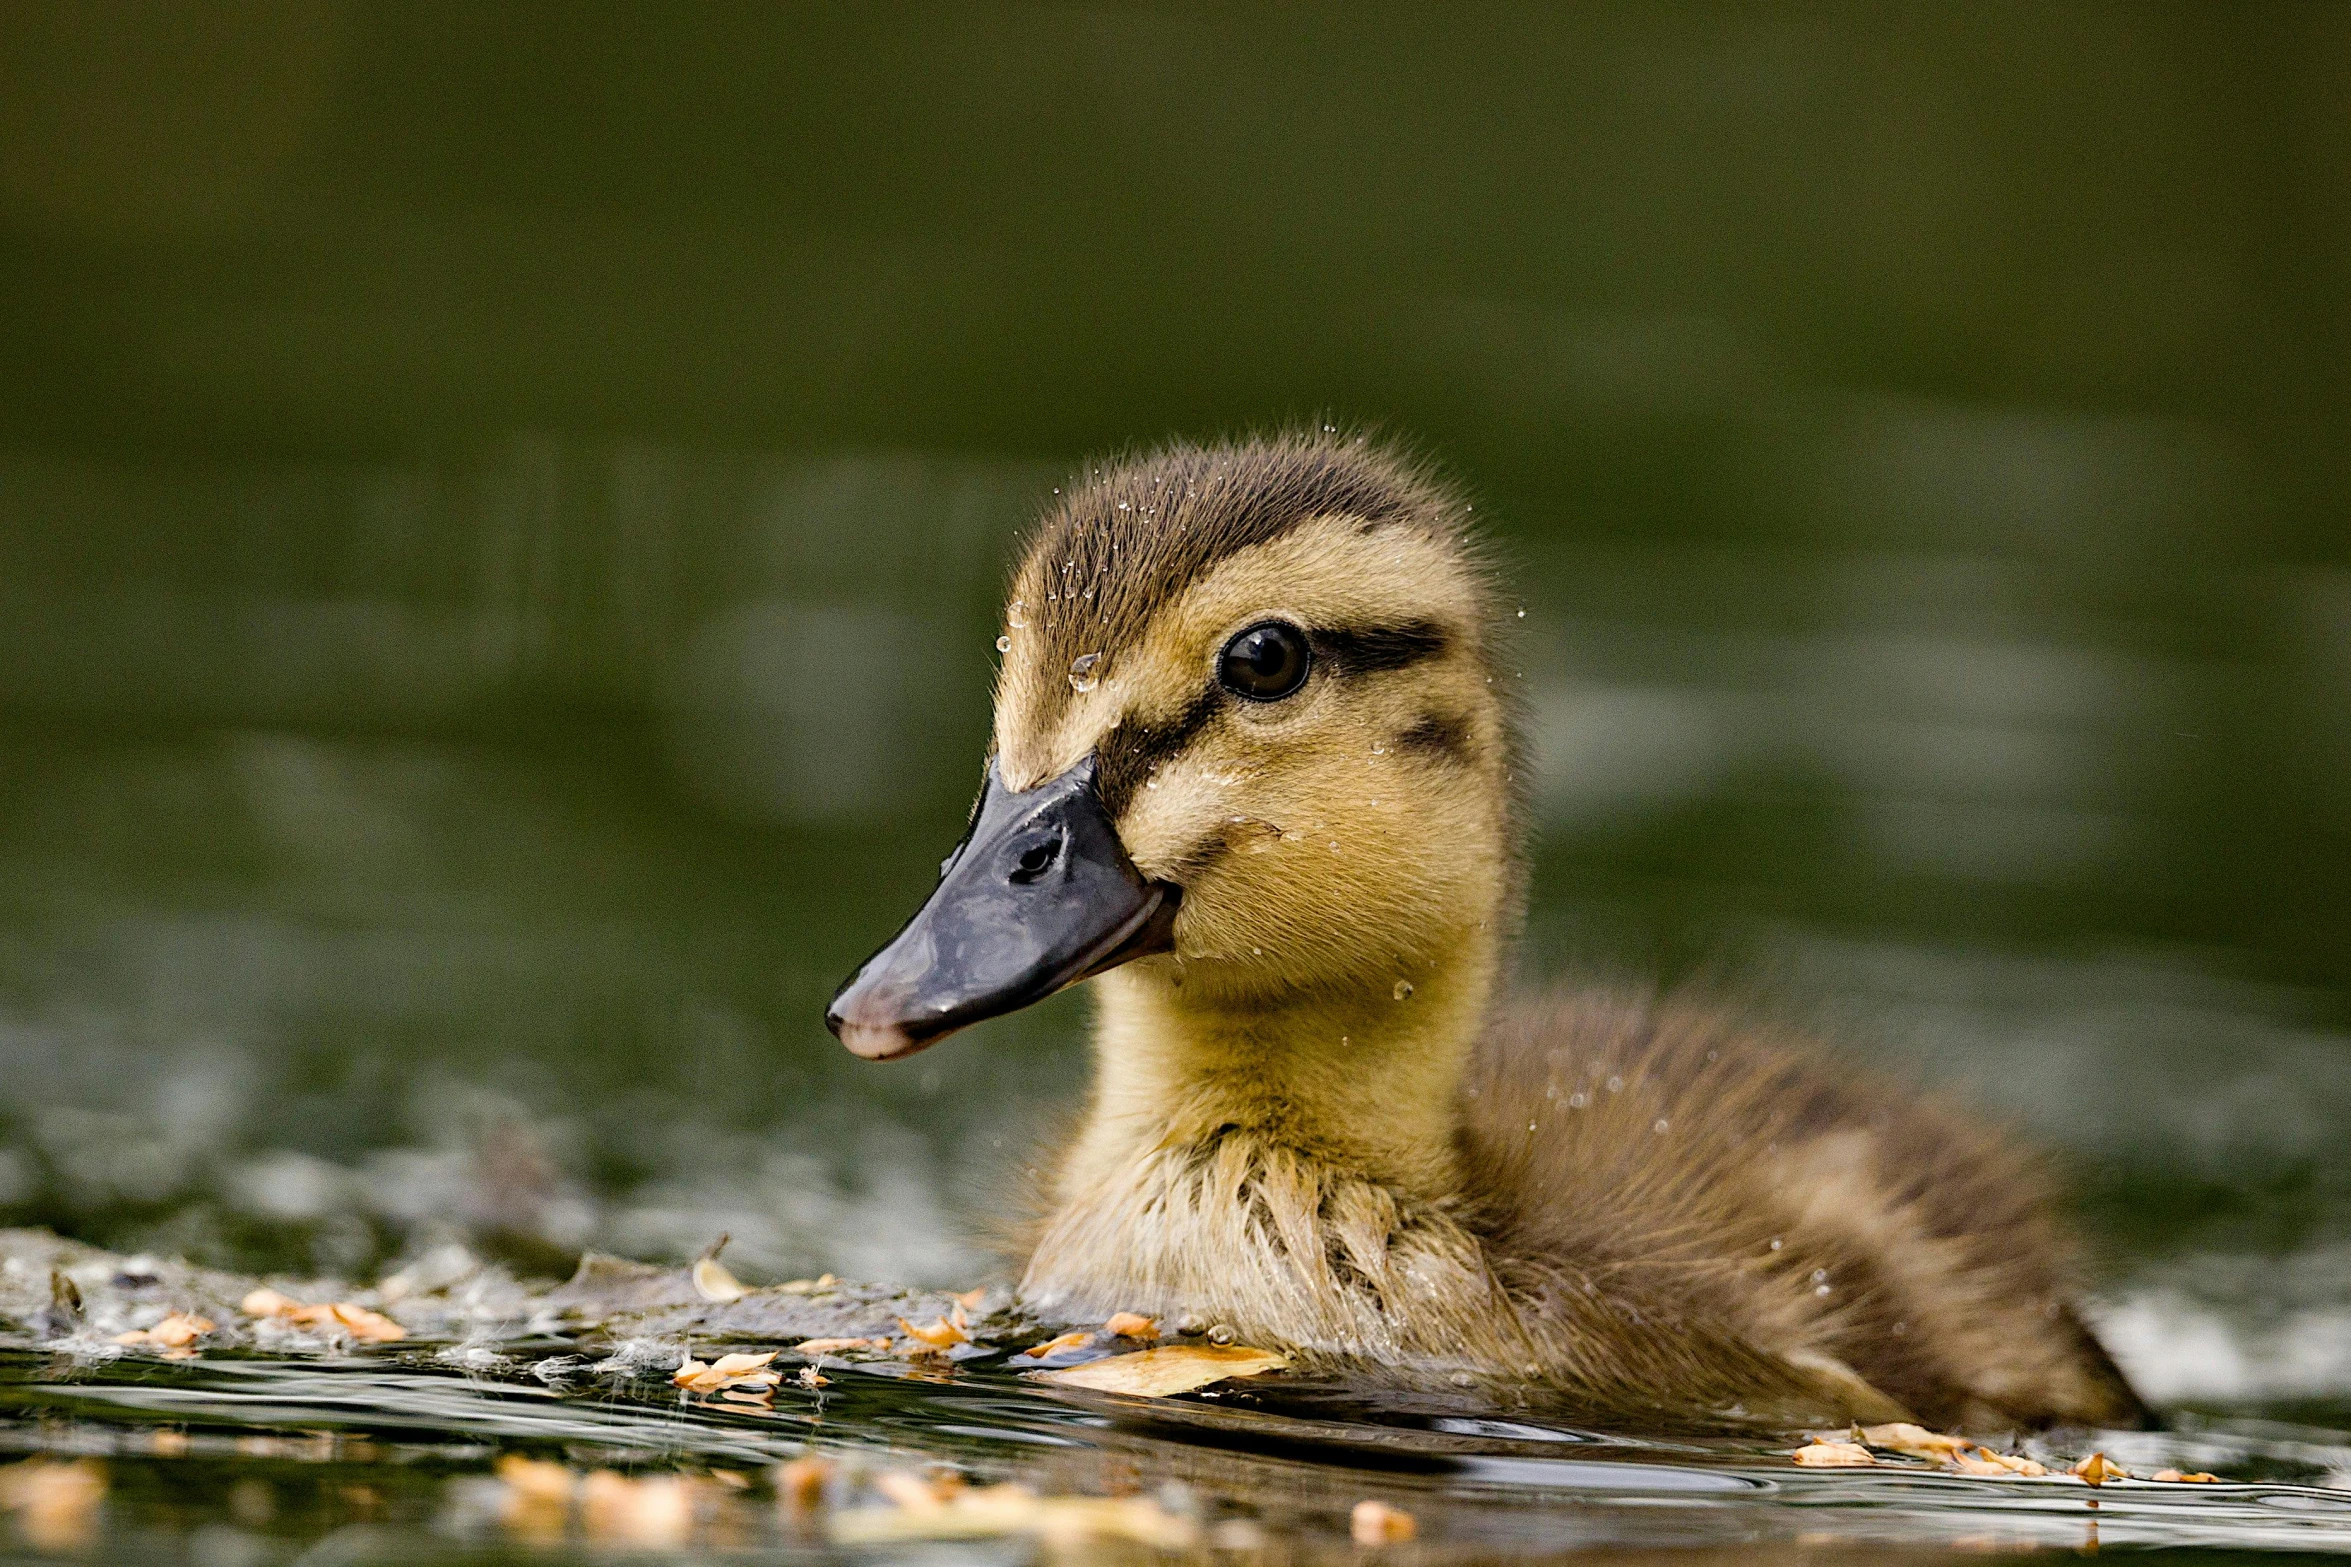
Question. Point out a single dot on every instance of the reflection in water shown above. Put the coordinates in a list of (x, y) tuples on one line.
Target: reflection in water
[(399, 1451)]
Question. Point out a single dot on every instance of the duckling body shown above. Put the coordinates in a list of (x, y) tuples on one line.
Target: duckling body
[(1254, 775)]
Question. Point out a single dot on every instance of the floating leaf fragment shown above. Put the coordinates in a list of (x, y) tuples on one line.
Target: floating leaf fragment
[(812, 1379), (938, 1338), (1131, 1324), (970, 1300), (2097, 1469), (176, 1331), (746, 1371), (1833, 1455), (834, 1346), (343, 1316), (1376, 1523), (1054, 1346), (1983, 1461), (815, 1286), (713, 1282), (371, 1327), (1917, 1441), (2191, 1476), (1170, 1369)]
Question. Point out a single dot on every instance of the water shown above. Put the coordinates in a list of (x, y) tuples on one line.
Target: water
[(270, 1444), (502, 526)]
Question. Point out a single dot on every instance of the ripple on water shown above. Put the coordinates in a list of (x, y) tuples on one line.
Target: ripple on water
[(399, 1442)]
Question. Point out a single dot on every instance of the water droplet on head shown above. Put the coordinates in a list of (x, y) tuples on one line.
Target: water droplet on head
[(1777, 1243), (1660, 1126), (1004, 644), (1403, 990), (1616, 1085), (1820, 1275), (1577, 1100), (1081, 672), (1222, 1333), (1016, 614), (1190, 1325), (1464, 1379)]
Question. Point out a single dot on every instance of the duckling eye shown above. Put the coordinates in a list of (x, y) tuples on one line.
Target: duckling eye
[(1264, 663)]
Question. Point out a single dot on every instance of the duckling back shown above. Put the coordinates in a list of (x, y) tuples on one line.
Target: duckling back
[(1672, 1162)]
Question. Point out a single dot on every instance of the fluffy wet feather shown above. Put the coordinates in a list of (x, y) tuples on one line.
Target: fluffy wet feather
[(1255, 766)]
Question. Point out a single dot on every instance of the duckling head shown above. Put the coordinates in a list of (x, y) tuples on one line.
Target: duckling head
[(1253, 751)]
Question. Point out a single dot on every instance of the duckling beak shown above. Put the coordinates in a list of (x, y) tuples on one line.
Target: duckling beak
[(1040, 894)]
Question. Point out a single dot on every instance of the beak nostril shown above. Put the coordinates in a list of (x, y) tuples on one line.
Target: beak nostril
[(1036, 859)]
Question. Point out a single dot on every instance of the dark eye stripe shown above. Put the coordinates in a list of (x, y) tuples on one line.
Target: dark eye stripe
[(1365, 649), (1439, 735), (1129, 753)]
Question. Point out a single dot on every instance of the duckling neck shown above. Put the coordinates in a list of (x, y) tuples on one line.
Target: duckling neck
[(1360, 1082)]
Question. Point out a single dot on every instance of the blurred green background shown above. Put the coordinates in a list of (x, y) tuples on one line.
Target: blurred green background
[(501, 510)]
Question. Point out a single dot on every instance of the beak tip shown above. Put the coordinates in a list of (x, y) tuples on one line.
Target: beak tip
[(871, 1039)]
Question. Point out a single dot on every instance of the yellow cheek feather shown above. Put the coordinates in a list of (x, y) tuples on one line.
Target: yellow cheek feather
[(1314, 844)]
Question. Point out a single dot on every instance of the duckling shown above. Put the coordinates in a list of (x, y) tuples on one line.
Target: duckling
[(1255, 774)]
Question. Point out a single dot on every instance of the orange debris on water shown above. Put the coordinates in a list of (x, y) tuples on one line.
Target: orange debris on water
[(714, 1283), (343, 1316), (834, 1346), (1983, 1461), (2191, 1476), (1833, 1455), (1917, 1441), (1054, 1346), (2097, 1469), (1377, 1523), (938, 1338), (176, 1331), (1131, 1324), (728, 1371), (1167, 1370)]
